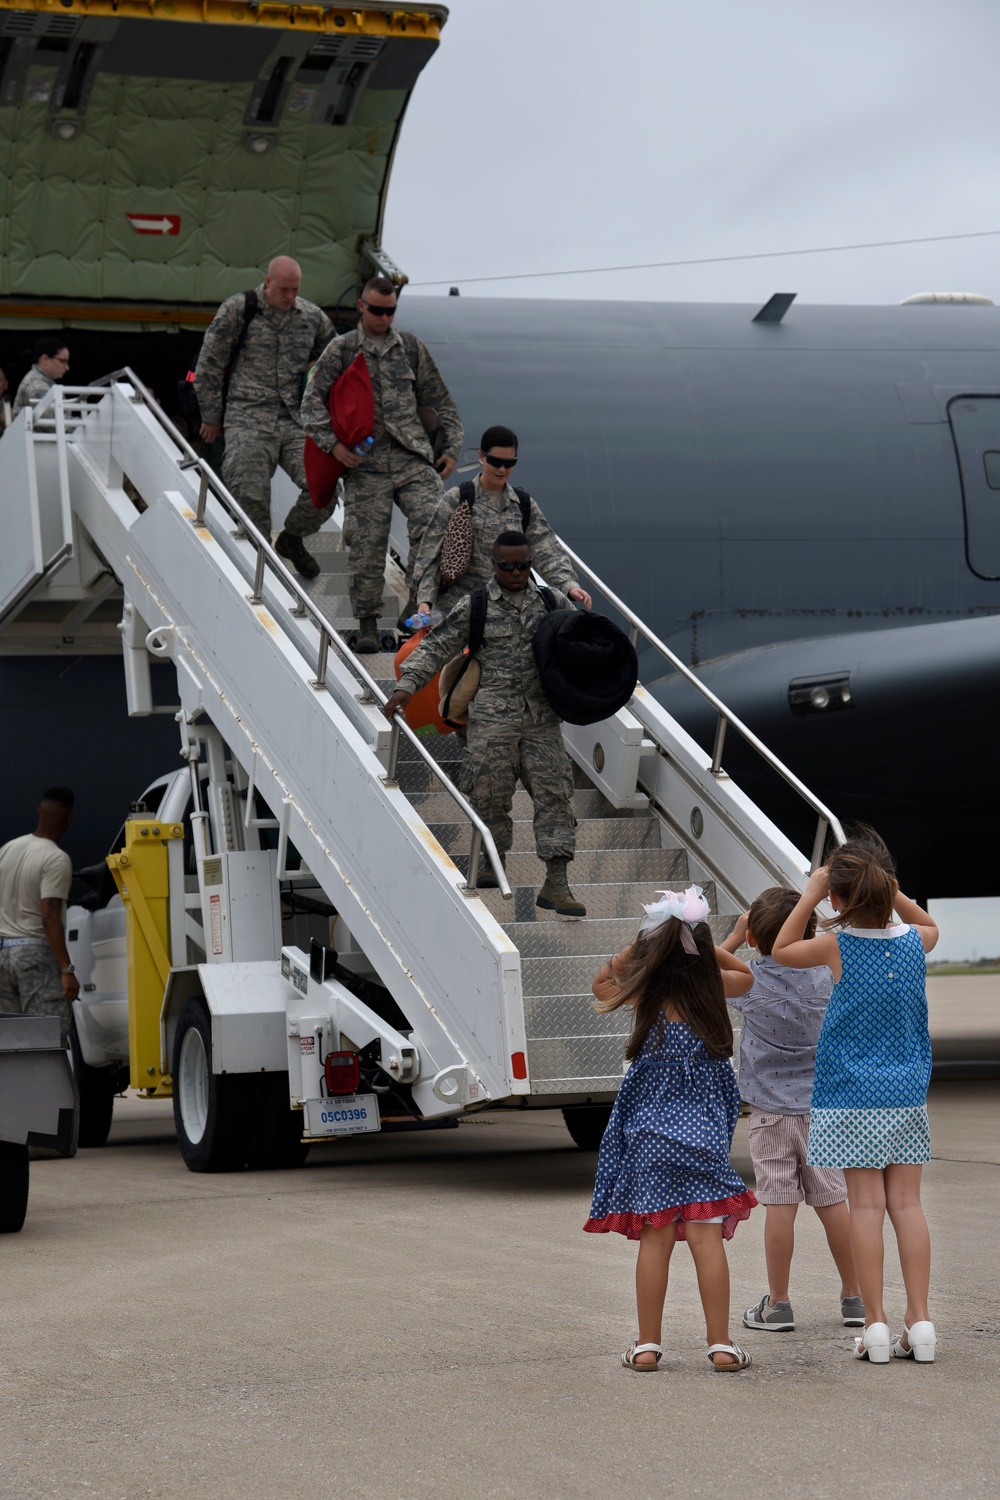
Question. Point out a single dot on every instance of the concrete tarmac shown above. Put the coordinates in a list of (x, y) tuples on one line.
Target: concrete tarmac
[(421, 1315)]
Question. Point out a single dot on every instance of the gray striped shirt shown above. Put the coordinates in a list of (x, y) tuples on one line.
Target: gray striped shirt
[(782, 1017)]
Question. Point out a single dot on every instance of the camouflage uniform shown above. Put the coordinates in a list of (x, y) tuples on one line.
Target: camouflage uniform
[(400, 466), (491, 514), (32, 388), (31, 984), (262, 427), (513, 732)]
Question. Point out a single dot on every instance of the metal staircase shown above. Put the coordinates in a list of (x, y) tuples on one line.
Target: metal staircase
[(485, 980)]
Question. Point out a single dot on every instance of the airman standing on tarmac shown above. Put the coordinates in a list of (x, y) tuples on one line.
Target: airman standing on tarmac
[(513, 731), (259, 408), (401, 466)]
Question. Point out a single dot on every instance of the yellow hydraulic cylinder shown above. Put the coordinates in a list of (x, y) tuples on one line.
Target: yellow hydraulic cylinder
[(142, 874)]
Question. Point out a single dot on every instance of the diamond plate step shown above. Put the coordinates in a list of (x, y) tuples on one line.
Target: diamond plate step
[(562, 1016), (566, 938), (629, 833), (437, 806), (557, 1066), (656, 868), (601, 900)]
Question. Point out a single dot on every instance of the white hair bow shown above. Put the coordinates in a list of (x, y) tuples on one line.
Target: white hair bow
[(688, 908)]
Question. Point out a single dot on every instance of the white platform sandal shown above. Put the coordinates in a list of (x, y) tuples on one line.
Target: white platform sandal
[(922, 1341), (741, 1359), (874, 1344), (628, 1358)]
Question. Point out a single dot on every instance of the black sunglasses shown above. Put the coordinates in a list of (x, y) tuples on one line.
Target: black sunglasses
[(512, 567), (380, 312), (499, 463)]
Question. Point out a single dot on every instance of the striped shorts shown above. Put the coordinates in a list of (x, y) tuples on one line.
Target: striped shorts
[(778, 1152)]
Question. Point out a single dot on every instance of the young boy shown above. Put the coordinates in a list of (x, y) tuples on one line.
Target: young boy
[(782, 1017)]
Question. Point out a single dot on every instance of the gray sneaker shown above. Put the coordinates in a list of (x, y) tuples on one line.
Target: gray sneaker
[(777, 1319), (852, 1312)]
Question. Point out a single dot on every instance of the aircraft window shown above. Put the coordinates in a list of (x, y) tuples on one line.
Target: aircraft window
[(991, 462), (820, 695)]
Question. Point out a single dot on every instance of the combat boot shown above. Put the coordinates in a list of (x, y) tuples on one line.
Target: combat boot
[(555, 895), (367, 643), (294, 548)]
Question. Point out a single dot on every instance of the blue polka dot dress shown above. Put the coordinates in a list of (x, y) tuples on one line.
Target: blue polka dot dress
[(665, 1152), (873, 1061)]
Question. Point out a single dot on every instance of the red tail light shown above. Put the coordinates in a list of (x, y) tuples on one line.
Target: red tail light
[(343, 1072)]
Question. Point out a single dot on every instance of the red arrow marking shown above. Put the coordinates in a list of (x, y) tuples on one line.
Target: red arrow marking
[(155, 223)]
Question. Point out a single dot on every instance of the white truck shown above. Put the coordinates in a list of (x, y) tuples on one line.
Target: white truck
[(305, 955)]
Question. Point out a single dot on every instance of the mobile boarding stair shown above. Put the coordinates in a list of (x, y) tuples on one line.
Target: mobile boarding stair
[(460, 1000)]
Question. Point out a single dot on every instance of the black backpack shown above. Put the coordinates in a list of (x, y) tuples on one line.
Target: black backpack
[(187, 401), (477, 629), (467, 492)]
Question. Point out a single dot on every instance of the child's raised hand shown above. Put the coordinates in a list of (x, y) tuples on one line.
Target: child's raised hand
[(740, 928), (818, 887)]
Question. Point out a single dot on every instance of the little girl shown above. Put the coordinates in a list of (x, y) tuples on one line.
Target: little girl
[(663, 1172), (873, 1065)]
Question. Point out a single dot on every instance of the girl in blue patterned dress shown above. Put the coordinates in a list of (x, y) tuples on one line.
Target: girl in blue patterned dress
[(873, 1065), (663, 1174)]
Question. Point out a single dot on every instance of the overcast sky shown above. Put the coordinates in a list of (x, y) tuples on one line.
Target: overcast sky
[(548, 134)]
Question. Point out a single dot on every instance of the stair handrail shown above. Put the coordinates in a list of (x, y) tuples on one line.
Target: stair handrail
[(482, 841), (827, 820)]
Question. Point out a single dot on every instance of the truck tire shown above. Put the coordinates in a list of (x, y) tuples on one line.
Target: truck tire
[(586, 1123), (97, 1088), (213, 1112), (276, 1139), (13, 1186)]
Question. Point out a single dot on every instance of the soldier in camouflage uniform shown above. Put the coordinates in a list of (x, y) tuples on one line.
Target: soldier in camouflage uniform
[(51, 363), (401, 465), (495, 508), (262, 427), (513, 731), (36, 976)]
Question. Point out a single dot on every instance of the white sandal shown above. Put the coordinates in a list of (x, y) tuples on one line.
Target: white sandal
[(628, 1358), (922, 1341), (742, 1360), (873, 1344)]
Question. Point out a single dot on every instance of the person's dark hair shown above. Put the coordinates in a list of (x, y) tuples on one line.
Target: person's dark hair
[(49, 346), (863, 878), (510, 539), (658, 971), (768, 914), (380, 284), (60, 794), (498, 437)]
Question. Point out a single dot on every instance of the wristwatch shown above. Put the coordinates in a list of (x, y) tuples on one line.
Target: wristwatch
[(69, 969)]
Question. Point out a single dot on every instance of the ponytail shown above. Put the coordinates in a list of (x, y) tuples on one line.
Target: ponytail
[(863, 878)]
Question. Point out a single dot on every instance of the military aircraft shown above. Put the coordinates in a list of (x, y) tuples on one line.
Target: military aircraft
[(802, 501)]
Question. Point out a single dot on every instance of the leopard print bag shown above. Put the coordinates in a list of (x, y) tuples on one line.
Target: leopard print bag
[(456, 544)]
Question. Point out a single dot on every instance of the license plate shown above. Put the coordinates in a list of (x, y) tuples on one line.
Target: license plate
[(348, 1114)]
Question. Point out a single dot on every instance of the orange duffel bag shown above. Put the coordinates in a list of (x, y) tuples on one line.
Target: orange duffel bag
[(422, 713)]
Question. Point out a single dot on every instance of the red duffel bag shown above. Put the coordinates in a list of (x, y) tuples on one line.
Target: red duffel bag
[(352, 418)]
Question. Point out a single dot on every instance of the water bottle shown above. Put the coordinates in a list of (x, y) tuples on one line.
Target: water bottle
[(364, 448), (423, 622)]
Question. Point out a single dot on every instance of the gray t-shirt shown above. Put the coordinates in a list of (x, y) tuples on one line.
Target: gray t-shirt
[(31, 870), (782, 1018)]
